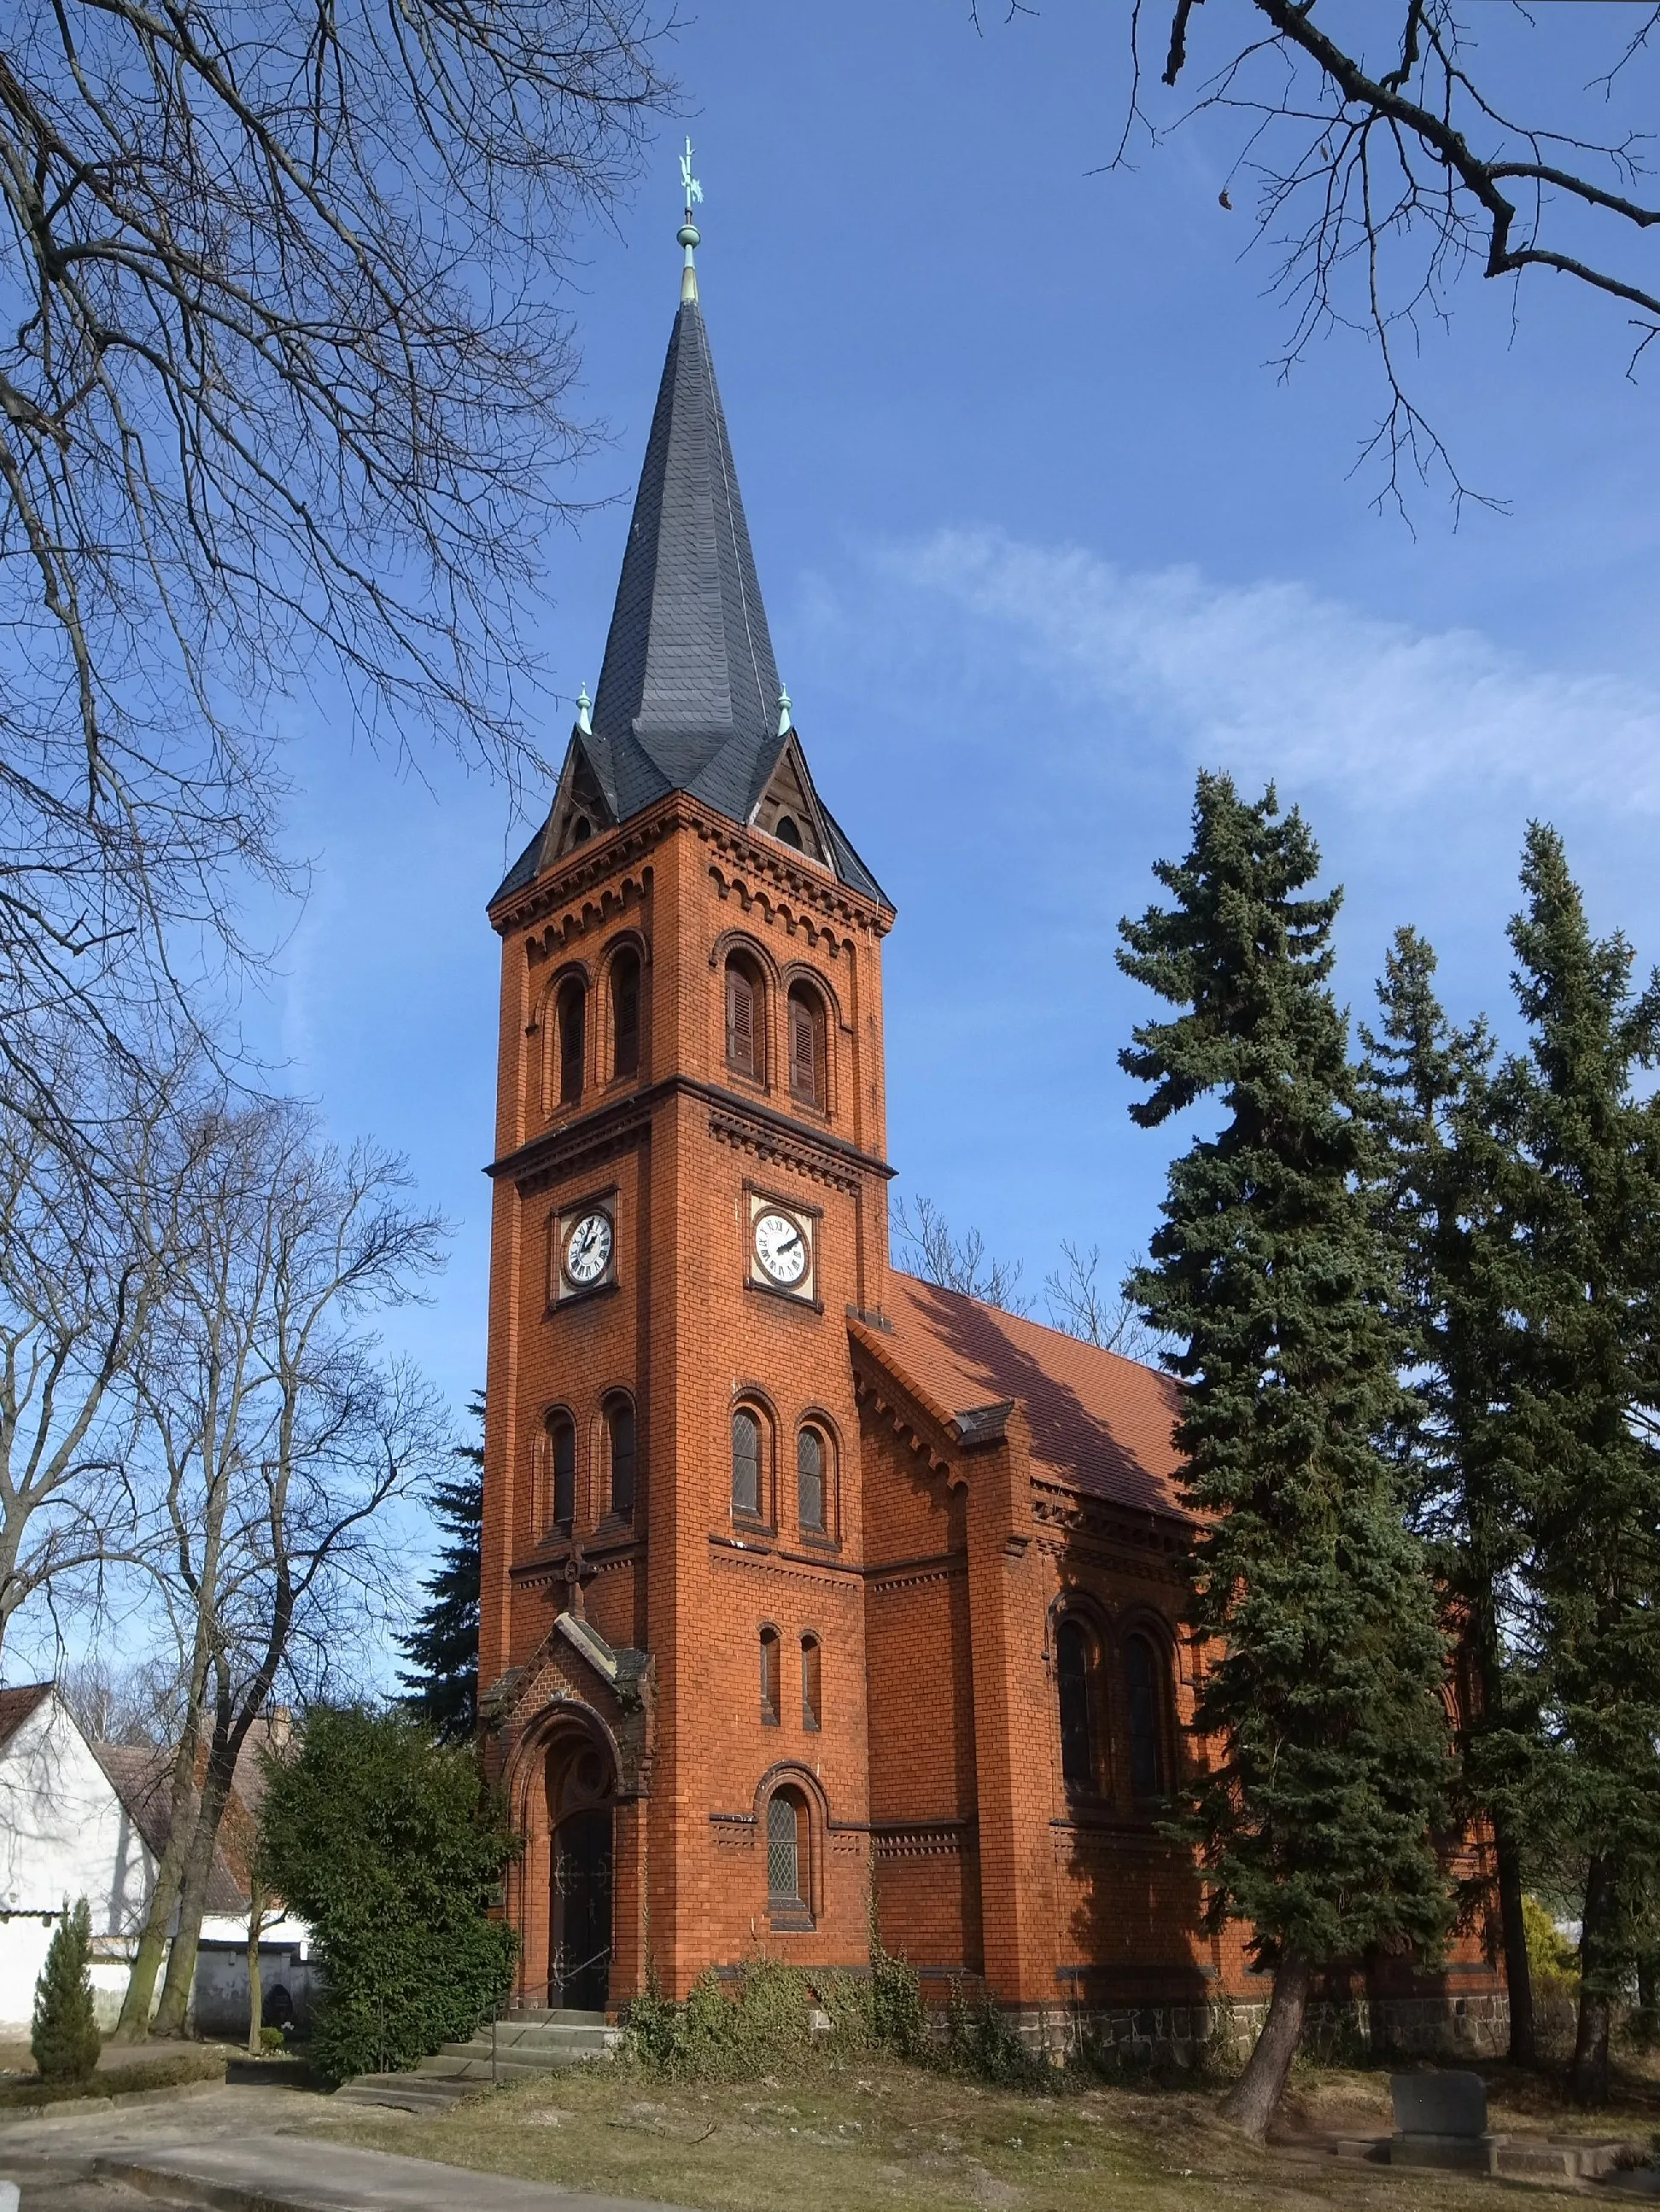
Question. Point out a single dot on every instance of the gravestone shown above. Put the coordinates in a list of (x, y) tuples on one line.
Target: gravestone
[(1441, 2119)]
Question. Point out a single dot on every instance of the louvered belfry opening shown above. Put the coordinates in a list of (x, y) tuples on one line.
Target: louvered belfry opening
[(744, 1053), (806, 1045), (619, 1437), (561, 1451), (625, 1013), (572, 1040)]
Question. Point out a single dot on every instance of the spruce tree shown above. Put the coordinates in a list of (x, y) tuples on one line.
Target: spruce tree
[(64, 2036), (1319, 1704), (1448, 1178), (1583, 1421), (443, 1645)]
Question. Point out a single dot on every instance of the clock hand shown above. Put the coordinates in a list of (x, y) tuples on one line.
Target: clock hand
[(789, 1244)]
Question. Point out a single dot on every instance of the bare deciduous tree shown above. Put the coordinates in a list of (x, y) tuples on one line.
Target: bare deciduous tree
[(81, 1259), (285, 397), (279, 1432), (930, 1250), (1396, 147), (1081, 1304)]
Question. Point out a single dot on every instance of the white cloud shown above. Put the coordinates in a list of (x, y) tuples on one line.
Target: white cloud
[(1275, 679)]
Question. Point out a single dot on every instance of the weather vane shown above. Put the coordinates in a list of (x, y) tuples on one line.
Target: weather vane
[(689, 234)]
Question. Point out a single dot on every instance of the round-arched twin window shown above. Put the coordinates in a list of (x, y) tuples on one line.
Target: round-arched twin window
[(625, 1013), (1146, 1717), (746, 1462), (745, 1030), (807, 1046), (620, 1449), (811, 1463), (1075, 1671), (558, 1503)]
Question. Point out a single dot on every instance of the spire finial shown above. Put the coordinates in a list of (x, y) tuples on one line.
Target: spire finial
[(584, 712), (783, 712), (689, 233)]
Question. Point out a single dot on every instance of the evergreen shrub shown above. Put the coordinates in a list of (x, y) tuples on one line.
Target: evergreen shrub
[(390, 1846), (64, 2036)]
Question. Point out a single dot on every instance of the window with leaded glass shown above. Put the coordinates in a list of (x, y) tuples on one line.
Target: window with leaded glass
[(784, 1852), (1074, 1656), (810, 1480), (745, 1462), (1146, 1728)]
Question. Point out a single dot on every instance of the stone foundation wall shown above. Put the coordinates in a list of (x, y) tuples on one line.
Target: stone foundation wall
[(1357, 2029)]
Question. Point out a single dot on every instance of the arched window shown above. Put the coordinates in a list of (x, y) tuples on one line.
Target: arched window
[(788, 831), (745, 1462), (625, 1013), (786, 1826), (745, 1051), (1147, 1719), (769, 1672), (806, 1012), (562, 1458), (810, 1458), (812, 1710), (570, 1007), (619, 1438), (1074, 1670)]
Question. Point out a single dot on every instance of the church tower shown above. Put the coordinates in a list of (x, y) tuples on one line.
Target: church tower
[(688, 1208)]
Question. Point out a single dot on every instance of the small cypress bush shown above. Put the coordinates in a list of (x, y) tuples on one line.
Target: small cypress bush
[(64, 2036)]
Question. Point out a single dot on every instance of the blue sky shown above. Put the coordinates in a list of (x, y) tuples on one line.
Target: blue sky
[(1040, 531)]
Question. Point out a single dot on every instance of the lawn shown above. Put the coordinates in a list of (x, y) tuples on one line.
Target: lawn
[(122, 2068), (866, 2137)]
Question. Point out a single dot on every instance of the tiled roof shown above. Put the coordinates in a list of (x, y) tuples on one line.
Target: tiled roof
[(688, 697), (141, 1777), (1101, 1425), (16, 1705)]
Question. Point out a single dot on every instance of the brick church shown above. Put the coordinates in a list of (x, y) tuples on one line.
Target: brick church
[(800, 1576)]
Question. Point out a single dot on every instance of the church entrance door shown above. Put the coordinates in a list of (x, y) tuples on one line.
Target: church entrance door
[(581, 1793)]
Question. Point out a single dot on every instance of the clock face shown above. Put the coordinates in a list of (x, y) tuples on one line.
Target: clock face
[(781, 1246), (587, 1248)]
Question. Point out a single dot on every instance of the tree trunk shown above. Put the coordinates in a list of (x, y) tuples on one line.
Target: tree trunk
[(1254, 2098), (256, 1993), (172, 2014), (1647, 2023), (1518, 1970), (134, 2024), (1588, 2077)]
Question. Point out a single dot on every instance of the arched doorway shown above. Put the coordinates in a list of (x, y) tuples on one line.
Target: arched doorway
[(581, 1794)]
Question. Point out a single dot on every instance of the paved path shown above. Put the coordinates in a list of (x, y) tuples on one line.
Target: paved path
[(231, 2153)]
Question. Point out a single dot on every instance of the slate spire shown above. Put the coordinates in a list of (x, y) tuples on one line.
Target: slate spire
[(689, 697)]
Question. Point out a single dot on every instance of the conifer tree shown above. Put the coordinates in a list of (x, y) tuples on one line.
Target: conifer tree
[(64, 2036), (1449, 1171), (1583, 1433), (1319, 1706), (443, 1646)]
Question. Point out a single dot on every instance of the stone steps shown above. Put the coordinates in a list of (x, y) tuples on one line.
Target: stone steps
[(526, 2045)]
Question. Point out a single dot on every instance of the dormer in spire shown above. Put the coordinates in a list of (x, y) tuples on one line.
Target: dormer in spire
[(689, 697)]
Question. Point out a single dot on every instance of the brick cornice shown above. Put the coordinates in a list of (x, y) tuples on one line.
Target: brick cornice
[(590, 864), (745, 1120)]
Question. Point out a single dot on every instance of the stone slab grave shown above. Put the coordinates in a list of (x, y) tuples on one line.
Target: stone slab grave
[(1441, 2119)]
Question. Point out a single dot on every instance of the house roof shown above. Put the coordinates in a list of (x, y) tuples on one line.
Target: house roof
[(16, 1704), (689, 697), (1101, 1425), (141, 1777)]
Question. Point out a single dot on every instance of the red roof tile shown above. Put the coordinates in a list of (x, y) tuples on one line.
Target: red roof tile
[(1100, 1424), (16, 1705)]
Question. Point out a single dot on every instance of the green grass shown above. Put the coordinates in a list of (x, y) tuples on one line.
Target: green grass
[(886, 2137)]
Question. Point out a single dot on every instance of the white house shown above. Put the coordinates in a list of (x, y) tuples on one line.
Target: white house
[(84, 1819)]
